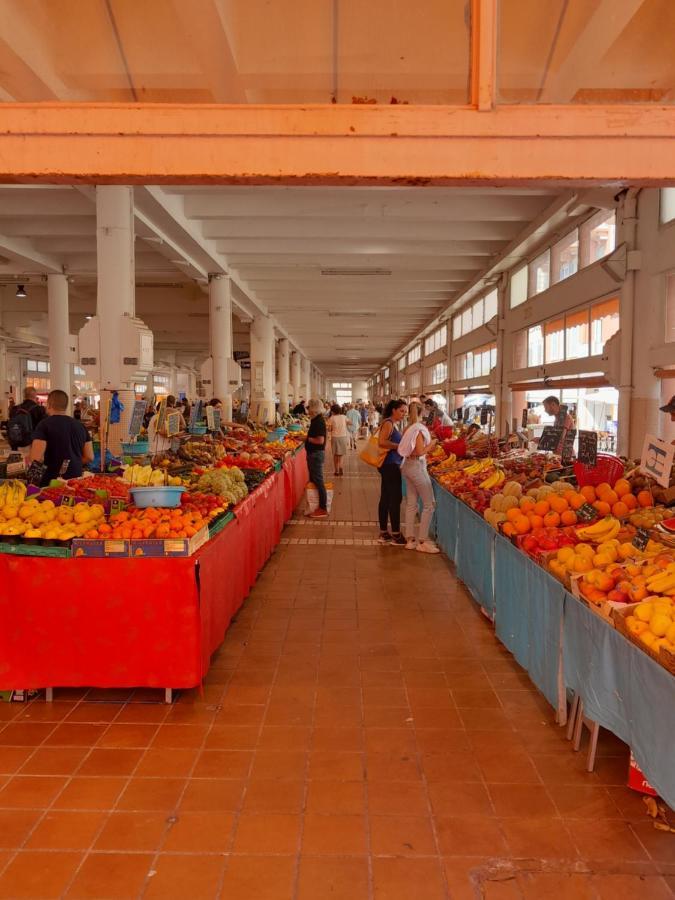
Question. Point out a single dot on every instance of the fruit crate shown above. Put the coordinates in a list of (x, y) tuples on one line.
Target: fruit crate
[(664, 659), (605, 609)]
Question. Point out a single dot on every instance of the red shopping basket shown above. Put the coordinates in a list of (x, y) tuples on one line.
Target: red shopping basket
[(608, 468)]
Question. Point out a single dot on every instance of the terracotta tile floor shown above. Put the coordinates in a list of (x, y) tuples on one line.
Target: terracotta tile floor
[(362, 736)]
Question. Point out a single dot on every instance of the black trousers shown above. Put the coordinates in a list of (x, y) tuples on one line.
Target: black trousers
[(391, 495)]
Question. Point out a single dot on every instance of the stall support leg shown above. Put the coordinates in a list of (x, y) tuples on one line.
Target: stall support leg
[(571, 722), (168, 695), (49, 695)]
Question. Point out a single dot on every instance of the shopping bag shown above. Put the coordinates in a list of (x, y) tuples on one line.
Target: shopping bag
[(372, 453), (312, 497)]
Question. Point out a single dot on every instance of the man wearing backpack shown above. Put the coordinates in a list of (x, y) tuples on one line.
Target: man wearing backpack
[(23, 421)]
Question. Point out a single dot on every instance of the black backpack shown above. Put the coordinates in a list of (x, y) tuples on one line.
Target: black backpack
[(20, 429)]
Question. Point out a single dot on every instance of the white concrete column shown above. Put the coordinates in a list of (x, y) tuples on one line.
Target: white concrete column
[(220, 333), (4, 385), (284, 376), (59, 333), (306, 387), (263, 364), (115, 295), (296, 376)]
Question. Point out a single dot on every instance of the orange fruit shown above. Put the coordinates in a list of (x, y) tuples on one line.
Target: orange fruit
[(602, 489), (558, 504), (620, 510), (574, 499), (535, 520), (508, 529), (588, 493), (551, 520), (630, 500), (541, 507), (603, 508), (610, 497), (513, 513), (526, 504), (521, 524), (568, 517), (644, 498), (622, 487)]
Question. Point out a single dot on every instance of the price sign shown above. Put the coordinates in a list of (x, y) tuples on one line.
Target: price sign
[(116, 505), (35, 473), (561, 415), (67, 500), (64, 467), (523, 421), (172, 424), (586, 513), (195, 413), (567, 454), (550, 438), (467, 413), (136, 421), (641, 539), (484, 413), (161, 418), (657, 459), (458, 414), (588, 448), (210, 418), (216, 420)]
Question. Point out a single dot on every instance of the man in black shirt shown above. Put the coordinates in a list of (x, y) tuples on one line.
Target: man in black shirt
[(23, 420), (60, 442), (299, 408), (315, 445)]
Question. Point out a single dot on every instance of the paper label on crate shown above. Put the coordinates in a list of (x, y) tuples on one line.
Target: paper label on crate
[(657, 459), (641, 539)]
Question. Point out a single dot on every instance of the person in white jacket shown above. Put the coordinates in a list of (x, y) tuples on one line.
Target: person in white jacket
[(415, 444)]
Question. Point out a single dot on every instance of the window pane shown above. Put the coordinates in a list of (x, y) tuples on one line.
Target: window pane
[(490, 306), (485, 366), (493, 356), (555, 340), (600, 232), (469, 365), (604, 323), (535, 346), (667, 210), (576, 334), (565, 261), (519, 287), (576, 51), (520, 350), (443, 336), (466, 321), (456, 327), (540, 270), (477, 313)]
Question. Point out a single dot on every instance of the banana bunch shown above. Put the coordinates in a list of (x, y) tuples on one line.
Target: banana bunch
[(603, 530), (653, 548), (448, 463), (663, 582), (479, 466), (498, 477), (12, 493)]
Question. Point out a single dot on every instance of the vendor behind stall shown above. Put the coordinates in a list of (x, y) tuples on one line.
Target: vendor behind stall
[(159, 441), (60, 442), (552, 407)]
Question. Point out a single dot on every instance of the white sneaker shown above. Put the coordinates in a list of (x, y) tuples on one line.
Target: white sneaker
[(411, 543), (427, 547)]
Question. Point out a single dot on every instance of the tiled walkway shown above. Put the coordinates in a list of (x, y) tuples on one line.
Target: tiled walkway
[(362, 734)]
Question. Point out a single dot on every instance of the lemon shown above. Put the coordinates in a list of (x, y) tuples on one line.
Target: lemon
[(565, 553), (660, 623), (670, 634), (584, 550), (643, 611), (648, 638)]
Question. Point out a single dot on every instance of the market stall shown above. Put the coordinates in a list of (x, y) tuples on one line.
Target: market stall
[(564, 638), (130, 622)]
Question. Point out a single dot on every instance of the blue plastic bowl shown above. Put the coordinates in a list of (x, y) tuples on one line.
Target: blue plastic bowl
[(295, 427), (198, 429), (140, 448), (277, 435), (166, 497)]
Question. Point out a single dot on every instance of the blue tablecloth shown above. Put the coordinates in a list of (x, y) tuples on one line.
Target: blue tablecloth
[(562, 644)]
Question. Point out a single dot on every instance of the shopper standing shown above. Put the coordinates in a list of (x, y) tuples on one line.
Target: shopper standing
[(415, 444), (315, 445), (391, 493), (353, 424), (23, 420), (339, 436), (373, 418), (60, 442)]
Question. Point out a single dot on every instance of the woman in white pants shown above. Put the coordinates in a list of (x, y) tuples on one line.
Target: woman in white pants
[(415, 444)]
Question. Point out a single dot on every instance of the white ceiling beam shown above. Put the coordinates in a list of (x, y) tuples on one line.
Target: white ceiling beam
[(37, 226), (24, 257), (288, 227), (450, 250), (43, 202), (602, 28)]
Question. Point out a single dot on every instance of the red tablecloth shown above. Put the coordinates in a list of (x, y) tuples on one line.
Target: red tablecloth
[(131, 622)]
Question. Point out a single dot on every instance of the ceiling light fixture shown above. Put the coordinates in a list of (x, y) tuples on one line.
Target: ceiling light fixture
[(21, 292)]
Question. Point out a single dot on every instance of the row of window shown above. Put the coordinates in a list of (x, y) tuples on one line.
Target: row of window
[(475, 315), (581, 247), (476, 363), (574, 335), (436, 340)]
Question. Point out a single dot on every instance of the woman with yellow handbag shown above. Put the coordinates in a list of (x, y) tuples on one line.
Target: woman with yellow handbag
[(391, 491)]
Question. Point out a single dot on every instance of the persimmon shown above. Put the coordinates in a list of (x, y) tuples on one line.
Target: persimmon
[(603, 508), (620, 510), (622, 487), (541, 507), (588, 493), (644, 498), (575, 500), (535, 520), (513, 513), (568, 517), (521, 524), (610, 497), (508, 529), (558, 504), (551, 520), (526, 504), (602, 489), (630, 500)]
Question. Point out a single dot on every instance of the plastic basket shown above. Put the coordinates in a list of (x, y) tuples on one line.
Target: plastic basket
[(163, 497), (607, 469)]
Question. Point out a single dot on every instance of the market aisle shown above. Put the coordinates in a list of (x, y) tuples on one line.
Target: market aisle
[(361, 735)]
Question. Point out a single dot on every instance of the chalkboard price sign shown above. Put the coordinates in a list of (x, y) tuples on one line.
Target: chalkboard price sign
[(136, 421), (458, 414), (195, 413), (588, 447), (172, 424), (586, 513), (523, 421), (35, 473), (466, 414), (484, 413), (561, 416), (550, 438), (641, 539), (567, 454)]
